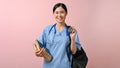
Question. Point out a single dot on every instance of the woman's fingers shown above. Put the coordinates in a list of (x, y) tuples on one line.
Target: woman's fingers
[(73, 30), (41, 52)]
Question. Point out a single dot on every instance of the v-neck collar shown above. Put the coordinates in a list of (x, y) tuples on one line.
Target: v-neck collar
[(56, 31), (60, 31)]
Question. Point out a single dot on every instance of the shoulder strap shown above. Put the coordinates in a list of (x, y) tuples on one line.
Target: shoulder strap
[(68, 46)]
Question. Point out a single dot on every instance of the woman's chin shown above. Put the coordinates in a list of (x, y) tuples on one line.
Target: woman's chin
[(60, 21)]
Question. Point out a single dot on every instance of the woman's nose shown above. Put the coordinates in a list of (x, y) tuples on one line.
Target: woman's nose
[(59, 14)]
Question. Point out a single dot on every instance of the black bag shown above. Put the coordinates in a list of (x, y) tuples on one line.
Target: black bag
[(79, 59)]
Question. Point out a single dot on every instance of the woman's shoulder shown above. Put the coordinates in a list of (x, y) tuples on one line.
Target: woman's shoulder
[(48, 27)]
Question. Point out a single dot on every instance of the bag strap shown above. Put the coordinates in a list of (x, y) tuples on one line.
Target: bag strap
[(68, 46)]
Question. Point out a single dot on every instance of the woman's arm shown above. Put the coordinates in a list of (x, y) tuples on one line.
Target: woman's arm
[(73, 43), (73, 46)]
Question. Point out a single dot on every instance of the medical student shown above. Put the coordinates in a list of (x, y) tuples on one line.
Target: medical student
[(55, 38)]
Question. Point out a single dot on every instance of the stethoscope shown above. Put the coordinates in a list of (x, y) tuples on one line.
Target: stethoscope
[(68, 34), (53, 27)]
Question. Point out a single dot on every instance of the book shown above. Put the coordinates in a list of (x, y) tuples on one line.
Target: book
[(38, 46)]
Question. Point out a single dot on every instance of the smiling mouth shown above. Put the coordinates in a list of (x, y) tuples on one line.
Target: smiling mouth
[(59, 18)]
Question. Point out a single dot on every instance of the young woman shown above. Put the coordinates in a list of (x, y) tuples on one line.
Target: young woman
[(55, 38)]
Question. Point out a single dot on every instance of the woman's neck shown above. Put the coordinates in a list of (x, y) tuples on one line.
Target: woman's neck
[(60, 26)]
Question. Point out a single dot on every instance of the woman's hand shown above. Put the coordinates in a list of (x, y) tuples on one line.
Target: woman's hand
[(40, 53), (72, 33)]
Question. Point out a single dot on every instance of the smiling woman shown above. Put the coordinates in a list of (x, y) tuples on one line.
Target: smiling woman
[(60, 12), (55, 39)]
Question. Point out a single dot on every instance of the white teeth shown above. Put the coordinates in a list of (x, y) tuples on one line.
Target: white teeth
[(60, 18)]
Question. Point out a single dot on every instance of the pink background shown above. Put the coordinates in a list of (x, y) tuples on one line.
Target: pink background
[(22, 21)]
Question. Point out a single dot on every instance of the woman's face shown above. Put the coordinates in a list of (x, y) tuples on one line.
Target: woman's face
[(60, 15)]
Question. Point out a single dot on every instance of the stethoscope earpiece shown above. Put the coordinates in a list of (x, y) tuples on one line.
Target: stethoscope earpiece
[(70, 29)]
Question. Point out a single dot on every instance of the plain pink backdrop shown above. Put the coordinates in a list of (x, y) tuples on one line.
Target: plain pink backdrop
[(22, 21)]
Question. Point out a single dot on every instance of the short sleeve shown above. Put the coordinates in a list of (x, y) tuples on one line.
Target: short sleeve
[(42, 37), (77, 41)]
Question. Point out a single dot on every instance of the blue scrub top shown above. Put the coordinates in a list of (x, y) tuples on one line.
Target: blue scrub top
[(56, 42)]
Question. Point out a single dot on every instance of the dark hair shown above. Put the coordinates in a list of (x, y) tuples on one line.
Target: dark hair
[(59, 5)]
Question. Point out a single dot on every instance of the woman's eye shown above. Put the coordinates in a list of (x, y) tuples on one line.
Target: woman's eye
[(62, 12), (56, 12), (59, 12)]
